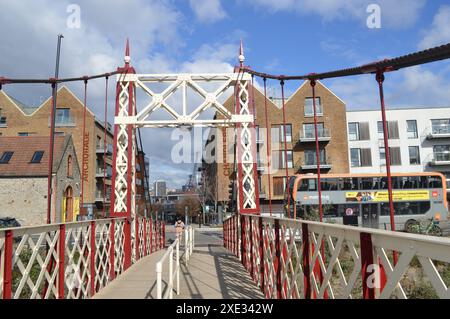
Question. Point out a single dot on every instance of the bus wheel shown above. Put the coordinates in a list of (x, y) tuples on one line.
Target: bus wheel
[(411, 225)]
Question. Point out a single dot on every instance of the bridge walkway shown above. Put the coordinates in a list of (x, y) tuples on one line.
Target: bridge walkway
[(212, 273)]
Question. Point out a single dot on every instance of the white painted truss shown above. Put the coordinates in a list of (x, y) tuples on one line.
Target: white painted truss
[(129, 117), (210, 100)]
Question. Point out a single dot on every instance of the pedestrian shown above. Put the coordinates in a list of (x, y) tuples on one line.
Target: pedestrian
[(179, 227)]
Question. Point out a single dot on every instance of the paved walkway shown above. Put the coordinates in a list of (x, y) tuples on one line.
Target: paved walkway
[(212, 273)]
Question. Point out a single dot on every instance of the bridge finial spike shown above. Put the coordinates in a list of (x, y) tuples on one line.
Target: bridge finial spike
[(127, 57), (241, 55)]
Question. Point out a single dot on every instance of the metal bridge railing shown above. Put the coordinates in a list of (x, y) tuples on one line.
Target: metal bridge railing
[(71, 260), (168, 257), (303, 259)]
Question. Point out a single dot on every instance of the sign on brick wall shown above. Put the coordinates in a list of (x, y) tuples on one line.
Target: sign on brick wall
[(85, 157)]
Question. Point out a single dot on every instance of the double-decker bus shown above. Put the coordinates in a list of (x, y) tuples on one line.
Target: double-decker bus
[(417, 196)]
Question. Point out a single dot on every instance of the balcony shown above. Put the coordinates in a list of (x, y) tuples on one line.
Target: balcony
[(439, 159), (99, 196), (100, 173), (309, 164), (324, 135), (262, 194), (439, 131), (100, 148), (63, 122)]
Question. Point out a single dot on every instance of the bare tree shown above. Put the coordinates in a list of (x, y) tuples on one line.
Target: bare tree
[(191, 202)]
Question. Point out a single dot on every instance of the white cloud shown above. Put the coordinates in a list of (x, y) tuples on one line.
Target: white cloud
[(208, 11), (397, 14), (418, 86), (439, 33)]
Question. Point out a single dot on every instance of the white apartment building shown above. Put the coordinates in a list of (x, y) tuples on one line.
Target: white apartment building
[(160, 188), (419, 140)]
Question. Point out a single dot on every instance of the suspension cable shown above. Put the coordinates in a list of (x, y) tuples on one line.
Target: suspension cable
[(285, 149), (380, 79), (316, 137), (84, 147), (267, 146), (417, 58), (105, 147)]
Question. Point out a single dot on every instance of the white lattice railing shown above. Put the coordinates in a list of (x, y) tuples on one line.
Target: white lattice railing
[(303, 259), (72, 260)]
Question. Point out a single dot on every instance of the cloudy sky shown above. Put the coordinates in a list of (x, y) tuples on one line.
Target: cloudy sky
[(282, 37)]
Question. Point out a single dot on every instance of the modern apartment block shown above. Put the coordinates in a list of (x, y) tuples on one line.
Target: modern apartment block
[(300, 144), (419, 140), (160, 188), (17, 119)]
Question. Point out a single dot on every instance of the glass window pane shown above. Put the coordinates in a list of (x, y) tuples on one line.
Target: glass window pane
[(353, 131), (309, 111), (440, 126), (355, 157), (380, 130), (411, 128), (414, 155)]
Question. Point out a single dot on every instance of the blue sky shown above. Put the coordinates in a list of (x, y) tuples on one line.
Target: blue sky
[(282, 37)]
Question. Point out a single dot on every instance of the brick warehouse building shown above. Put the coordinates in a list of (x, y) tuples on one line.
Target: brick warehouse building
[(300, 138), (23, 179), (17, 119)]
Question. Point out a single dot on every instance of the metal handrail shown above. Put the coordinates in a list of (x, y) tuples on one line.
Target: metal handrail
[(188, 244), (169, 254), (159, 269)]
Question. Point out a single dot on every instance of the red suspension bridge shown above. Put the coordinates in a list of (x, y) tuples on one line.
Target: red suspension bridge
[(261, 256)]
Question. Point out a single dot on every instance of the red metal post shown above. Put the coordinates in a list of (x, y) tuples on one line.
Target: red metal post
[(366, 261), (136, 232), (145, 236), (380, 80), (151, 235), (306, 261), (319, 186), (61, 265), (243, 242), (105, 144), (277, 262), (250, 221), (50, 154), (236, 245), (83, 169), (112, 273), (285, 152), (7, 265), (261, 255), (92, 259), (164, 235), (268, 146)]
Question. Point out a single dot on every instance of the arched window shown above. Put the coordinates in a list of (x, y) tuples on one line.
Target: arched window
[(69, 166)]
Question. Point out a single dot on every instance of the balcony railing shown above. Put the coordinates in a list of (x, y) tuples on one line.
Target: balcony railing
[(439, 131), (100, 173), (439, 158), (323, 135), (100, 148), (309, 164), (99, 196), (63, 122)]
